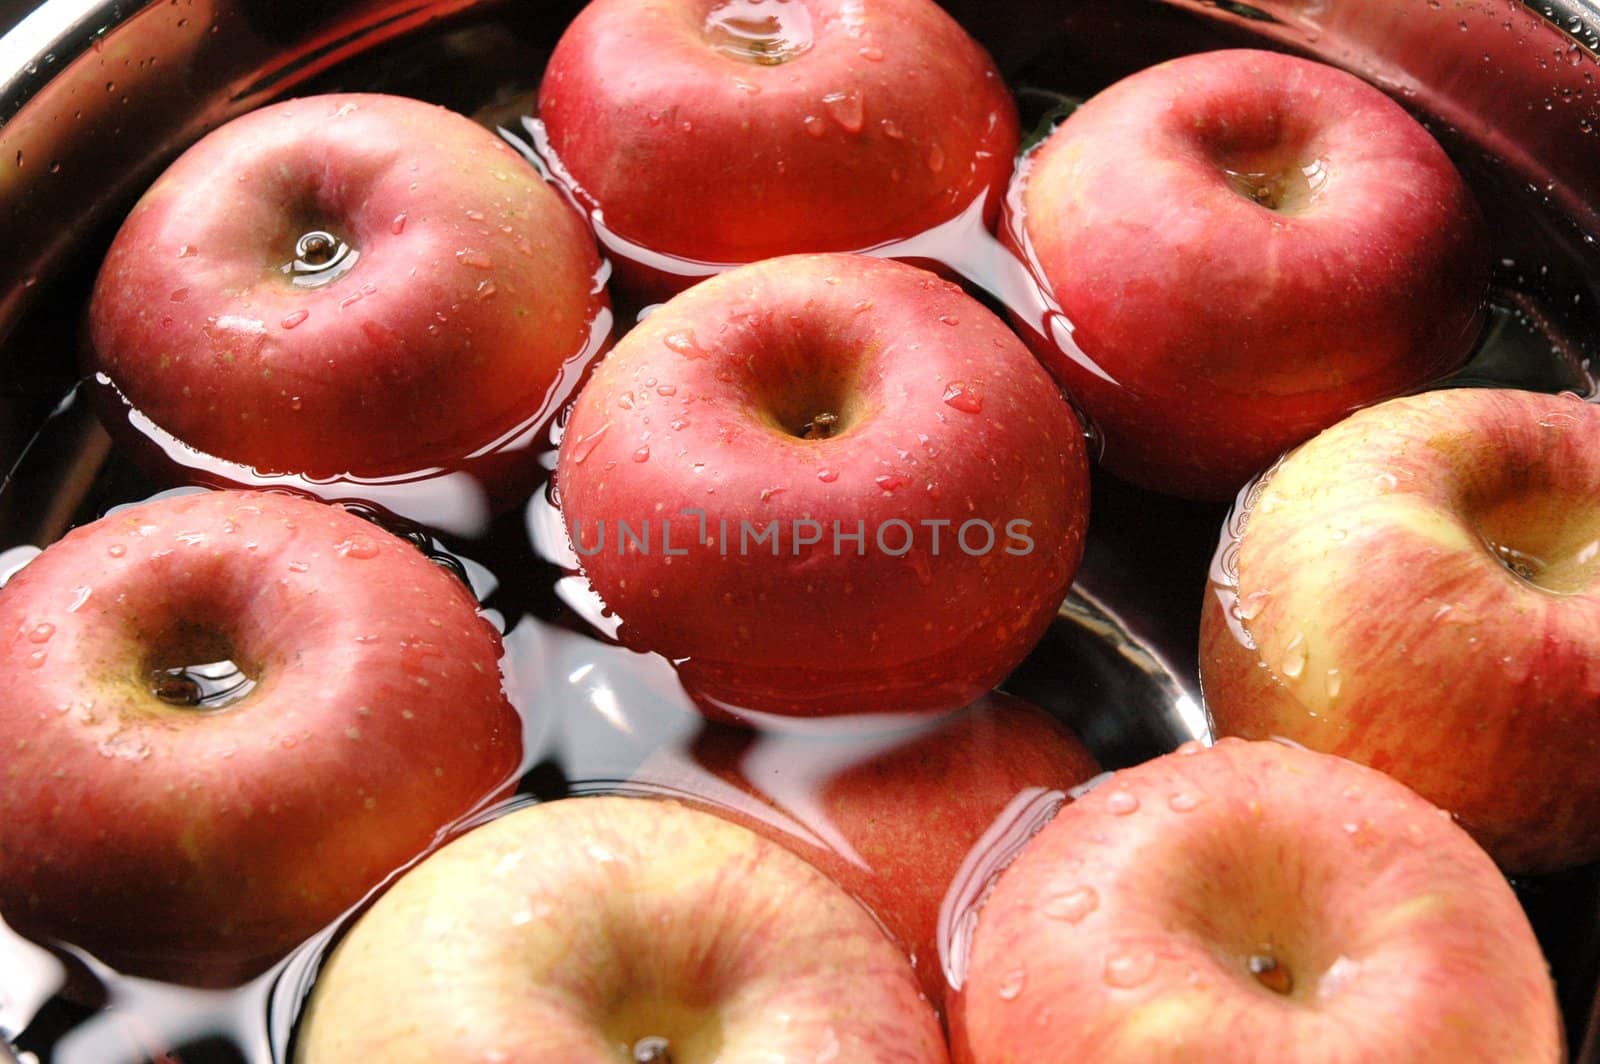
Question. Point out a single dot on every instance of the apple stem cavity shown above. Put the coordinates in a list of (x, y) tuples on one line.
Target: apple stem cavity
[(319, 258), (1284, 191), (652, 1050), (1270, 974), (766, 32)]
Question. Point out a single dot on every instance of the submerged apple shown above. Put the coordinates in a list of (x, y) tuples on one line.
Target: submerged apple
[(1254, 903), (1242, 247), (826, 484), (228, 716), (608, 929), (729, 131), (1418, 589), (348, 284)]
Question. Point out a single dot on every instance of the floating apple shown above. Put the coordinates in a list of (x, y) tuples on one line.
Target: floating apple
[(1418, 589), (737, 130), (1239, 248), (826, 484), (228, 716), (1254, 902), (892, 817), (600, 929), (353, 284)]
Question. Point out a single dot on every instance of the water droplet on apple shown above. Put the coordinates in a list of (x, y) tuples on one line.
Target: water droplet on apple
[(683, 343), (357, 546), (949, 319), (473, 257), (1294, 657), (827, 476), (642, 454), (36, 659), (891, 481), (1248, 608), (486, 289), (871, 53), (299, 567), (1074, 905), (294, 318), (41, 633), (398, 226), (179, 295), (1189, 748), (666, 391), (625, 400), (1334, 683), (187, 251), (961, 396), (936, 158), (847, 109), (584, 446), (1131, 969), (814, 125), (1012, 985), (1121, 803), (1183, 801), (116, 550), (749, 88)]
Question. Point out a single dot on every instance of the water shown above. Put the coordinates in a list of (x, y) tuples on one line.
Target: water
[(601, 717)]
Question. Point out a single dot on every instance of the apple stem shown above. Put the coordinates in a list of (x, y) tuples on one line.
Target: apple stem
[(819, 427), (316, 249), (176, 689), (1270, 974)]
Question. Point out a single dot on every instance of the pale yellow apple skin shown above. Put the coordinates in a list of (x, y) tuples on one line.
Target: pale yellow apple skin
[(1373, 618), (1123, 931), (565, 932)]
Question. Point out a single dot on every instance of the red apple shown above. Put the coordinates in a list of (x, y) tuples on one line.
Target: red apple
[(352, 284), (726, 131), (1238, 248), (600, 929), (1254, 902), (893, 817), (1418, 589), (826, 484), (228, 716)]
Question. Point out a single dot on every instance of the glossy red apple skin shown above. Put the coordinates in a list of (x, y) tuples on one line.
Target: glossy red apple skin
[(572, 930), (1125, 929), (1366, 611), (944, 417), (892, 817), (1209, 332), (473, 284), (892, 121), (200, 845)]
